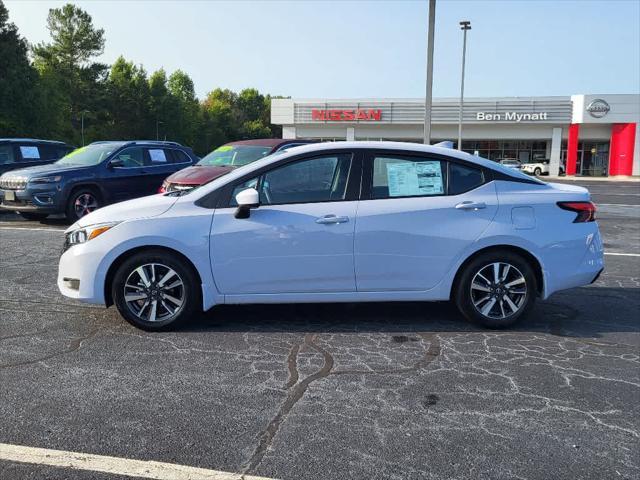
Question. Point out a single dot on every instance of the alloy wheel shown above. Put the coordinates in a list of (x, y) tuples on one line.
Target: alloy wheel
[(84, 204), (498, 290), (154, 292)]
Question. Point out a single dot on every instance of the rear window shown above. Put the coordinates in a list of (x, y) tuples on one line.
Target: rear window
[(463, 178), (6, 154)]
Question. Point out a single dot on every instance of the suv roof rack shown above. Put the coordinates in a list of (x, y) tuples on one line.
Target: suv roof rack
[(135, 142)]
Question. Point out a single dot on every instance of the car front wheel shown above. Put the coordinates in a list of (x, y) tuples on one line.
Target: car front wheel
[(81, 202), (537, 172), (156, 291), (496, 289)]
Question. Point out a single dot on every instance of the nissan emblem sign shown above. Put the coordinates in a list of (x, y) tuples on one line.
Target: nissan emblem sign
[(598, 108)]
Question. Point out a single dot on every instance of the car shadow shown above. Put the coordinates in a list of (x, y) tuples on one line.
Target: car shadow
[(588, 312)]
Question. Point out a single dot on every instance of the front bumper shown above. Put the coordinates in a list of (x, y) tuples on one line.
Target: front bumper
[(40, 199), (79, 267)]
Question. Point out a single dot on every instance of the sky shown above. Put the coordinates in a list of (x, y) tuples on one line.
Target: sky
[(370, 49)]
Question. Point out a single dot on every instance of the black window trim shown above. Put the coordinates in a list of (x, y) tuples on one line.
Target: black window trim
[(362, 161)]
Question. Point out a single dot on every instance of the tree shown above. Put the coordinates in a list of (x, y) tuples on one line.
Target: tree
[(72, 79), (19, 98), (129, 101)]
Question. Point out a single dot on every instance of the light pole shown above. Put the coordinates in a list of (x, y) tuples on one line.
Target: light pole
[(464, 26), (158, 122), (82, 124), (429, 88)]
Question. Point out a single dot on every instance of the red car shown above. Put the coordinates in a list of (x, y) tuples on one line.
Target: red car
[(224, 159)]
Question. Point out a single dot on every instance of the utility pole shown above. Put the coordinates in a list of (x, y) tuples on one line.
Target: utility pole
[(464, 26), (429, 87)]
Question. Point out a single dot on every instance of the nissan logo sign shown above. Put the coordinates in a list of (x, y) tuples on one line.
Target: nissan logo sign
[(598, 108)]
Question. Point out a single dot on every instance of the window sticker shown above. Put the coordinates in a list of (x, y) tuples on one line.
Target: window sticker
[(224, 148), (157, 156), (414, 178), (30, 152)]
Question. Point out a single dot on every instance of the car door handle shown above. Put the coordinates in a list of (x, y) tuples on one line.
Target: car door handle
[(471, 205), (329, 219)]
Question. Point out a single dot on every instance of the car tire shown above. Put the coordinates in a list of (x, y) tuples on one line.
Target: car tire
[(164, 302), (537, 172), (34, 216), (490, 303), (82, 202)]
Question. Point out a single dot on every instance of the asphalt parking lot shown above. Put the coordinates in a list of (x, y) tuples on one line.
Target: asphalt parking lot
[(378, 391)]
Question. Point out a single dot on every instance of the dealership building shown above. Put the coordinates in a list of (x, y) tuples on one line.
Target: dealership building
[(589, 135)]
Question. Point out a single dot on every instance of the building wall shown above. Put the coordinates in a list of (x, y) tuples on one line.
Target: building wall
[(503, 118)]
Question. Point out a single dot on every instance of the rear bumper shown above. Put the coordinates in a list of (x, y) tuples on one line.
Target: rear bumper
[(574, 265)]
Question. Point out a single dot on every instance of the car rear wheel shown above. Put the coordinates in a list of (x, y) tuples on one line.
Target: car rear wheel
[(537, 172), (156, 291), (82, 202), (34, 216), (496, 289)]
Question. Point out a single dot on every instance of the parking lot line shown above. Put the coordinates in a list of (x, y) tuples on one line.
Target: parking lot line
[(114, 465), (32, 229), (615, 205), (622, 254)]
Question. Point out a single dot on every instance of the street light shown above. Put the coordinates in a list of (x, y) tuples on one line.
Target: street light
[(158, 122), (82, 124), (429, 87), (464, 26)]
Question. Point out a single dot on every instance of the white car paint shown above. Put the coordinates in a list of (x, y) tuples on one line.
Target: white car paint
[(384, 250)]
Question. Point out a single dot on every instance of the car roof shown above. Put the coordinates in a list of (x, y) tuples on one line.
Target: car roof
[(355, 145), (268, 142), (32, 140)]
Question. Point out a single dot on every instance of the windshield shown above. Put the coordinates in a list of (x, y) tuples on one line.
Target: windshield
[(89, 155), (235, 155)]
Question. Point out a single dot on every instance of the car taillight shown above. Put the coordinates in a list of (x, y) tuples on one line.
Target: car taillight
[(161, 189), (586, 211)]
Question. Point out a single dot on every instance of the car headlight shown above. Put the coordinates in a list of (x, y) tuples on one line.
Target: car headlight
[(55, 179), (84, 234)]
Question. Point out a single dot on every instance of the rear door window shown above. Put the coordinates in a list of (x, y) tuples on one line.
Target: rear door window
[(400, 176), (159, 156), (30, 153)]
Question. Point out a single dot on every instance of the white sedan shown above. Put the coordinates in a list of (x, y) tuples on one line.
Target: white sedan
[(339, 222)]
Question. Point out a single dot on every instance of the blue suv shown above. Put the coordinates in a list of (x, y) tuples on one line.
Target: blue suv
[(91, 177)]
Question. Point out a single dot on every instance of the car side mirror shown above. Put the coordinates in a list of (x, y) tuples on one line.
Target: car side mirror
[(116, 163), (247, 199)]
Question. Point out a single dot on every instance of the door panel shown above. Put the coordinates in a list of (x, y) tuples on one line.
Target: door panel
[(410, 243), (421, 214), (284, 249), (287, 246)]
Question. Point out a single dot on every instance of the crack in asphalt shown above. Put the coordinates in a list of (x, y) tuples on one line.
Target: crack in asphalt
[(73, 346), (295, 394), (298, 388)]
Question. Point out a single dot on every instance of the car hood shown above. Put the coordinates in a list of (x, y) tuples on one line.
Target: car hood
[(50, 169), (198, 175), (144, 207)]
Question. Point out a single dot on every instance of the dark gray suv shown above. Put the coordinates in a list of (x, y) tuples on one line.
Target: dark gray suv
[(29, 152), (91, 177)]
